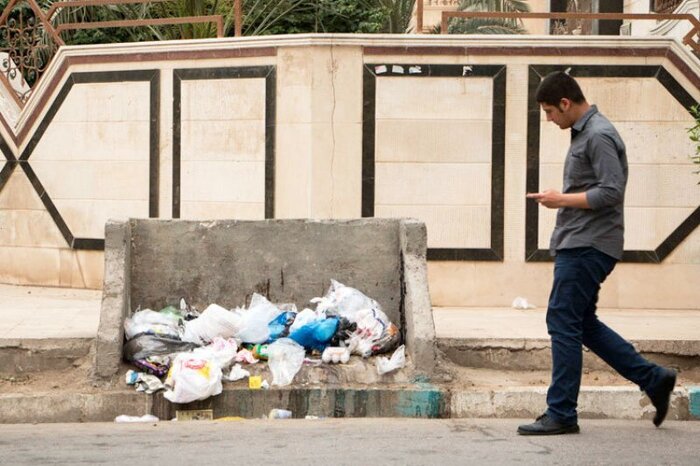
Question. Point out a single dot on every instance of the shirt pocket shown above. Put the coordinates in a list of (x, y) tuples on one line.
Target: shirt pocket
[(578, 169)]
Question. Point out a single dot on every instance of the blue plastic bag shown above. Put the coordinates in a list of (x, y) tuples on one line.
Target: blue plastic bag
[(279, 326), (317, 334)]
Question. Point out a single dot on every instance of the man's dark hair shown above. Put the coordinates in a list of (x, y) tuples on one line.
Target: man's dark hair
[(556, 86)]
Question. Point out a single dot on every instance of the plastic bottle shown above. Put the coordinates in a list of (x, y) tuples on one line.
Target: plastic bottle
[(260, 351), (280, 414)]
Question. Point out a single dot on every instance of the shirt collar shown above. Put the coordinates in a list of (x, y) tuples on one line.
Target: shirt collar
[(581, 122)]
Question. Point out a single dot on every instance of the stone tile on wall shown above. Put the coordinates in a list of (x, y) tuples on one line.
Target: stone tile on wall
[(29, 228), (223, 140), (293, 170), (198, 210), (223, 181), (92, 267), (34, 266), (433, 183), (294, 103), (406, 98), (86, 218), (656, 142), (336, 168), (449, 226), (651, 286), (633, 99), (337, 84), (96, 180), (94, 141), (545, 227), (662, 186), (223, 99), (646, 228), (18, 193), (120, 101), (433, 141)]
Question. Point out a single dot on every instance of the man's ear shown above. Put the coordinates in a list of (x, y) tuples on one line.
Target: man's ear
[(564, 105)]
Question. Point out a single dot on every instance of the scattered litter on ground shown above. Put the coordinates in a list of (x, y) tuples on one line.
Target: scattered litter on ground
[(397, 361), (279, 414), (127, 419), (255, 382), (237, 373), (522, 303), (144, 382), (194, 350)]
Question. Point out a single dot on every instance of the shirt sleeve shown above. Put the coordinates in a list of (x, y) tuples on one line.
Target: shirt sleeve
[(605, 161)]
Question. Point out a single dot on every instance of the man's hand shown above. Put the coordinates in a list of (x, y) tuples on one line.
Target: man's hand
[(553, 199)]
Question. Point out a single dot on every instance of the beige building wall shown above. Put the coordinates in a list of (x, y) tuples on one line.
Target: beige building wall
[(433, 154)]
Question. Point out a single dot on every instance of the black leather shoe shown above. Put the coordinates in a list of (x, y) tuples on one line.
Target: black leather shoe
[(661, 396), (545, 425)]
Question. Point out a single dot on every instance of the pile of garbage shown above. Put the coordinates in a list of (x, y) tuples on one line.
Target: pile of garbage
[(192, 350)]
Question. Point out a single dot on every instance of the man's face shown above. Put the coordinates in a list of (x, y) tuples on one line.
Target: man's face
[(559, 115)]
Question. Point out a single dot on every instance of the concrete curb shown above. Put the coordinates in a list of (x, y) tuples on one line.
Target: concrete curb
[(420, 400), (23, 355), (594, 403)]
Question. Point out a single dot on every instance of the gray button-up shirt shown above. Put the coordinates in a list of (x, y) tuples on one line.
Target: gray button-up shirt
[(597, 165)]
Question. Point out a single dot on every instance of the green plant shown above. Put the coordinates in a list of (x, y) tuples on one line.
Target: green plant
[(489, 25), (694, 134)]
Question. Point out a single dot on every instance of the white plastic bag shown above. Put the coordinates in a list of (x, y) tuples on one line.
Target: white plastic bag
[(522, 303), (237, 373), (153, 323), (255, 320), (397, 361), (191, 378), (371, 326), (344, 301), (285, 357), (221, 351), (215, 321), (306, 317), (144, 418)]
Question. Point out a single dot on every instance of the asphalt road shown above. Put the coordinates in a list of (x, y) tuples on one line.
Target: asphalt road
[(347, 441)]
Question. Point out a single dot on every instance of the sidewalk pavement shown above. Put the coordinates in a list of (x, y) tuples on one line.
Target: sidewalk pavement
[(28, 312), (40, 313), (41, 324)]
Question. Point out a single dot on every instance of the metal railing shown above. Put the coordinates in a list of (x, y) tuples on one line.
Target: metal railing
[(29, 40), (689, 39)]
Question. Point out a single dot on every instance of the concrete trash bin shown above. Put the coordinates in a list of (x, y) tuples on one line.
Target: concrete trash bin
[(151, 261)]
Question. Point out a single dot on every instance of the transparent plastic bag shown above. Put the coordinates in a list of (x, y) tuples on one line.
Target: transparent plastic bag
[(344, 301), (221, 351), (255, 320), (397, 361), (285, 357), (215, 321), (151, 322)]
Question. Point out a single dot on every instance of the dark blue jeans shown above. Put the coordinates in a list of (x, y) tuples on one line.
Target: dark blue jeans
[(572, 322)]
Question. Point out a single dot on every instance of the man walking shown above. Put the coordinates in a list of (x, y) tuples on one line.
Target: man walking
[(587, 242)]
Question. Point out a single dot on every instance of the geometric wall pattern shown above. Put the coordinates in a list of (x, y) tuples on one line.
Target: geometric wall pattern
[(94, 154), (650, 110), (229, 173), (433, 149)]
